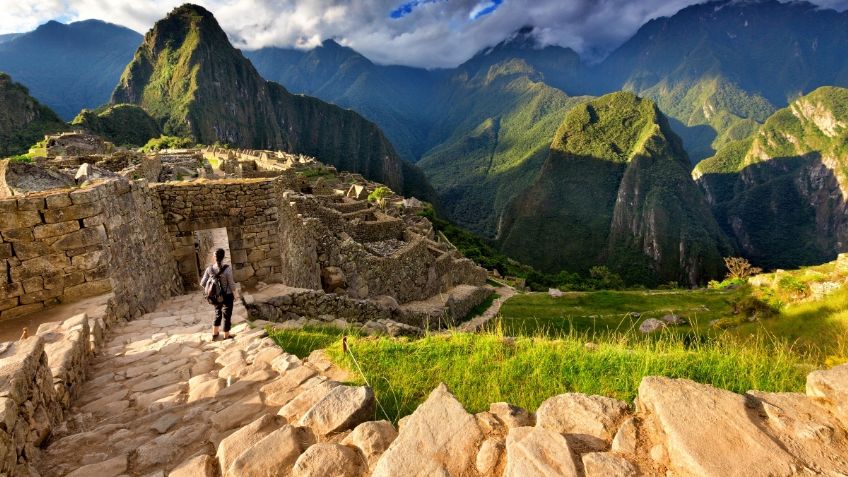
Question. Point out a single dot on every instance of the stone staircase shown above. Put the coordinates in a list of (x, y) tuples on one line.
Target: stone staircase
[(162, 397)]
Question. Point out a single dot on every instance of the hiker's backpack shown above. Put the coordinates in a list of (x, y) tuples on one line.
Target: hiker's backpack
[(214, 290)]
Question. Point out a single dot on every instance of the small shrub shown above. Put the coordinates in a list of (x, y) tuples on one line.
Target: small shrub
[(606, 279), (740, 268), (791, 284), (167, 142), (726, 284), (379, 195), (26, 158)]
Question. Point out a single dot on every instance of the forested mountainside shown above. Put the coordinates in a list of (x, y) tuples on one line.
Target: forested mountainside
[(615, 189)]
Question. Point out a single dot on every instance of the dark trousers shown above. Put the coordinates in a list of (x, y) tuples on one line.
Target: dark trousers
[(225, 311)]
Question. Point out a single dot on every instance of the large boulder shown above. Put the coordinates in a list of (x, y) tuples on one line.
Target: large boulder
[(238, 442), (711, 432), (606, 464), (592, 419), (806, 428), (538, 452), (326, 460), (831, 386), (273, 455), (342, 409), (198, 466), (372, 438), (439, 438)]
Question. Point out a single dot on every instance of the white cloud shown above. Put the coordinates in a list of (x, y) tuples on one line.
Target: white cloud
[(434, 33)]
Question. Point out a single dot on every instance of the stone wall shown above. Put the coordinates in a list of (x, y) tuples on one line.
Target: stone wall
[(381, 255), (304, 307), (69, 244), (28, 405), (247, 208)]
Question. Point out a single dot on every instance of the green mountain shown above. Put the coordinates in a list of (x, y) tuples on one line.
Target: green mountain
[(69, 67), (188, 77), (23, 120), (122, 124), (720, 67), (615, 189), (782, 193), (498, 121)]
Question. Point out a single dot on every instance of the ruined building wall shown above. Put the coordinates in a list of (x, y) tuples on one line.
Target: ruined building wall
[(299, 252), (247, 208), (143, 272), (65, 245)]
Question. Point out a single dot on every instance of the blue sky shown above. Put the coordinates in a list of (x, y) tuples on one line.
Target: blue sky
[(424, 33)]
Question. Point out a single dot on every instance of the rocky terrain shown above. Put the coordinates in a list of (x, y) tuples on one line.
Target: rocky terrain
[(615, 189)]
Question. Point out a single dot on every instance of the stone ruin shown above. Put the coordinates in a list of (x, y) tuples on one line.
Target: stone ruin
[(130, 383)]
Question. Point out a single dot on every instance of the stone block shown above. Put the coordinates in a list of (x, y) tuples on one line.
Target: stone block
[(29, 250), (56, 201), (73, 212), (88, 289), (54, 230), (40, 266), (81, 238), (19, 219), (85, 196), (18, 235)]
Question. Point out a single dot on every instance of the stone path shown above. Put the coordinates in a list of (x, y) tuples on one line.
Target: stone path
[(478, 323), (161, 393)]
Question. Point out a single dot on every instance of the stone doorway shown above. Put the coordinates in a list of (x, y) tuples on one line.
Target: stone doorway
[(205, 243)]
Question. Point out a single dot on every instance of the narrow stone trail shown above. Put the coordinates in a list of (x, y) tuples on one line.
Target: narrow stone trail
[(161, 393), (479, 322)]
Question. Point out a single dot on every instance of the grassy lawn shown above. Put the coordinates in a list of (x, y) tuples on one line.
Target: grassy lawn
[(539, 349), (603, 312), (485, 368)]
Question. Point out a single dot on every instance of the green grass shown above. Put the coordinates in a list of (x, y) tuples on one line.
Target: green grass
[(484, 368), (606, 312), (818, 329), (304, 341)]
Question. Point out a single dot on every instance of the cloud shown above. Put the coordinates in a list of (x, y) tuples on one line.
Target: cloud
[(428, 33)]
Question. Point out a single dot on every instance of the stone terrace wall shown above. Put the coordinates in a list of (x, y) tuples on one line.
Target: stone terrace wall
[(65, 245), (248, 210)]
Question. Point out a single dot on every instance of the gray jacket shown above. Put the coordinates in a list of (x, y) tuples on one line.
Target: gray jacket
[(227, 282)]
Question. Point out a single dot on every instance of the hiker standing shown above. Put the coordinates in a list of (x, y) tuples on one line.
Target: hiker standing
[(219, 286)]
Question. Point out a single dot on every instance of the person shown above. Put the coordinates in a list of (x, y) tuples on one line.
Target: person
[(223, 311)]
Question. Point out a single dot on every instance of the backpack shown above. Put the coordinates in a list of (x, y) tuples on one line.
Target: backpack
[(214, 291)]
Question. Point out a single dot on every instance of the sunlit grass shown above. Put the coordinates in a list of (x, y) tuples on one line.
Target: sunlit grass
[(490, 367)]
